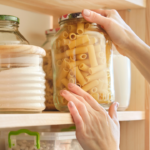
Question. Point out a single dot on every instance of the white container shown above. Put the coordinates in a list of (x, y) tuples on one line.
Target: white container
[(47, 141), (22, 80), (122, 80)]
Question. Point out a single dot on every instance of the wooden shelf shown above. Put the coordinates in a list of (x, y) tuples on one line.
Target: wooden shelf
[(55, 118), (61, 7)]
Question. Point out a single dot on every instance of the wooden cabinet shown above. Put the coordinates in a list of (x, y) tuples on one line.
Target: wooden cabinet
[(134, 122)]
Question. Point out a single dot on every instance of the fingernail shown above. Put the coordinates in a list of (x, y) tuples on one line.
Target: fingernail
[(71, 104), (86, 12), (70, 85), (116, 105), (63, 92)]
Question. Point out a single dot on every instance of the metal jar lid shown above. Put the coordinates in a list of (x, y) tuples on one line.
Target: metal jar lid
[(51, 31), (70, 16), (9, 18)]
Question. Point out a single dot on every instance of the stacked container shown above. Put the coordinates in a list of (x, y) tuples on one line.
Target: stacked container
[(26, 140)]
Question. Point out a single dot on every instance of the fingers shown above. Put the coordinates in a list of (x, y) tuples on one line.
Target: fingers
[(113, 111), (76, 116), (89, 99), (103, 12), (79, 105), (81, 99), (92, 16)]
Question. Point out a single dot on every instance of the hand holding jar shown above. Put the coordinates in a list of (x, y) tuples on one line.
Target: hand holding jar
[(125, 40), (95, 129)]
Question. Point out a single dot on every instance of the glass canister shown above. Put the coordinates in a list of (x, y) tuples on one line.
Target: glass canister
[(21, 75), (9, 33), (82, 54), (47, 67)]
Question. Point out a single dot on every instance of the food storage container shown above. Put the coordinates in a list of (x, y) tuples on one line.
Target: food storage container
[(22, 80), (26, 140), (122, 80), (82, 54), (47, 67), (9, 33)]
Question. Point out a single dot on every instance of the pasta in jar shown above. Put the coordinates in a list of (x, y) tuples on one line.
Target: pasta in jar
[(47, 67), (84, 53)]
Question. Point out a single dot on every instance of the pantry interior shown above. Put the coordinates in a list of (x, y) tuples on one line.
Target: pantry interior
[(37, 16)]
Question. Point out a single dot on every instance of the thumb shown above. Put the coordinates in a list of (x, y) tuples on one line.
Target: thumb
[(94, 17), (113, 111)]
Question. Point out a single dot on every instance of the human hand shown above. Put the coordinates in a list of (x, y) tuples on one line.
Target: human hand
[(95, 129), (119, 32)]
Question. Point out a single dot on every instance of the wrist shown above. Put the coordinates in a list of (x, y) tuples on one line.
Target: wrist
[(134, 45)]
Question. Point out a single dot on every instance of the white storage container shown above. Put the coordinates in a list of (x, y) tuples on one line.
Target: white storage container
[(22, 80), (26, 140), (122, 80)]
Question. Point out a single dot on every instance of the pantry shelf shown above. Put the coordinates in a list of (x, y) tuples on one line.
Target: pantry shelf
[(55, 118), (59, 7)]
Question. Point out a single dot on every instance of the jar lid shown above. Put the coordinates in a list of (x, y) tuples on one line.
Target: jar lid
[(9, 18), (21, 50), (51, 31), (71, 16)]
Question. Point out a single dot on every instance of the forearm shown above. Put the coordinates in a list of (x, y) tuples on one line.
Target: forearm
[(139, 54)]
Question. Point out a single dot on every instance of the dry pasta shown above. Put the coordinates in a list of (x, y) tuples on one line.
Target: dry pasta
[(59, 62), (70, 74), (81, 56), (93, 90), (60, 56), (72, 28), (72, 58), (96, 76), (83, 67), (96, 69), (78, 41), (65, 82), (90, 85), (87, 25), (64, 35), (79, 76), (65, 62), (77, 63), (76, 51), (92, 56), (72, 80), (72, 36), (80, 28), (85, 74)]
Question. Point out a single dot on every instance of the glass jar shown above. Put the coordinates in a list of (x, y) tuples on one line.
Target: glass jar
[(82, 54), (22, 80), (47, 67), (122, 80), (9, 33)]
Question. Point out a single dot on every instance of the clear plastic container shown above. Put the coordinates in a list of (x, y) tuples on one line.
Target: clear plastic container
[(9, 33), (26, 140), (21, 79), (47, 67), (82, 54), (122, 80)]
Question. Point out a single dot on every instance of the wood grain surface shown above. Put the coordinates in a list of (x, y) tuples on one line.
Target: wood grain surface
[(21, 50)]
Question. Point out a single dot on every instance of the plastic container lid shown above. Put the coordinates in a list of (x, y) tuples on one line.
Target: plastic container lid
[(9, 18), (70, 16), (48, 136), (51, 31)]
